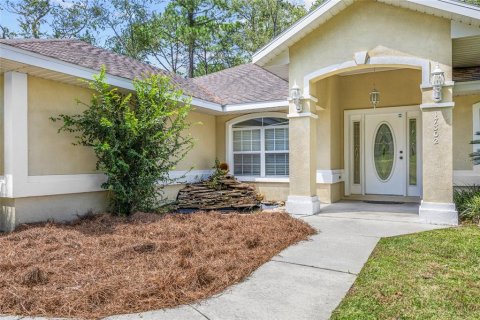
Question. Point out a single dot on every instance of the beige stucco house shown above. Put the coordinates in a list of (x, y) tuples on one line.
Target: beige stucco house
[(302, 122)]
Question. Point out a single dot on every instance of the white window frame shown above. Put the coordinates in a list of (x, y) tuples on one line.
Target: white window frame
[(229, 145), (475, 129)]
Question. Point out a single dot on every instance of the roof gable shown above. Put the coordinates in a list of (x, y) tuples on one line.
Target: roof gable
[(443, 8)]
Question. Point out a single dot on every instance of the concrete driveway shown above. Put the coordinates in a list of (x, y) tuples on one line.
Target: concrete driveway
[(308, 280)]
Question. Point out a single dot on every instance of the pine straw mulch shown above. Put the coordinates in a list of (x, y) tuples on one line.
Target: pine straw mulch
[(104, 265)]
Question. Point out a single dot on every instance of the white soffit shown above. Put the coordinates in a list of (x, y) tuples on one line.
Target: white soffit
[(460, 30), (466, 51), (449, 9)]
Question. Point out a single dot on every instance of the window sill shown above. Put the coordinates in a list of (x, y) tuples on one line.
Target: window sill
[(263, 179)]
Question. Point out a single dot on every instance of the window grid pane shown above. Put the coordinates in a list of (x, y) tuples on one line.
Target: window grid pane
[(276, 164), (276, 139), (246, 140), (246, 164)]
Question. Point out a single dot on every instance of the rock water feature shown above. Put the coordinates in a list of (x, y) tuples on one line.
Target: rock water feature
[(220, 192)]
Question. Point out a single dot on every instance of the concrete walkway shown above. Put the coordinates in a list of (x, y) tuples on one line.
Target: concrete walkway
[(306, 281)]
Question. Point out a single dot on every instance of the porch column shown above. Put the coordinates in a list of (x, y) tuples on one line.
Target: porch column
[(437, 205), (303, 199)]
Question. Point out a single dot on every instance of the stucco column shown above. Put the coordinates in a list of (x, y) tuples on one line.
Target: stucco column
[(303, 198), (437, 203)]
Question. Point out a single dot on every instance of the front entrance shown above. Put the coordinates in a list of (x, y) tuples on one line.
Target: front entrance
[(385, 169), (382, 154)]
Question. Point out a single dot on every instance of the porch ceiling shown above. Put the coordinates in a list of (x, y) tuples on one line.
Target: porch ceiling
[(466, 51)]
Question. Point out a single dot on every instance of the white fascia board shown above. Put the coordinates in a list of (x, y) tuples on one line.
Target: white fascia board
[(454, 7), (44, 62), (255, 106), (203, 104), (327, 9), (466, 88)]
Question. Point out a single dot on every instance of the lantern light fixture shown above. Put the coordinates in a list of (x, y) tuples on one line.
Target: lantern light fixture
[(374, 95), (296, 97), (438, 80)]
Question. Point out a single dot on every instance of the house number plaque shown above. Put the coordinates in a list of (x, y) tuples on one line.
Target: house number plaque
[(436, 133)]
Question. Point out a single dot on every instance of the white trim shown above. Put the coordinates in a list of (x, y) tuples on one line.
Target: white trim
[(330, 176), (252, 106), (465, 88), (302, 205), (464, 178), (381, 61), (302, 115), (331, 8), (80, 183), (263, 179), (15, 132), (322, 176), (447, 84), (437, 105), (438, 213)]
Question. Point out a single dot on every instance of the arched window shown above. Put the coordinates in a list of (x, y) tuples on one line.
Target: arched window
[(259, 145)]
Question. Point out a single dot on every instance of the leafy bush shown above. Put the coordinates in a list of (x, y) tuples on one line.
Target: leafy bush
[(137, 138), (467, 200)]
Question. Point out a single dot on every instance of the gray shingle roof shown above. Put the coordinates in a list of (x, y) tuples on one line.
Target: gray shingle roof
[(242, 84), (245, 83), (84, 54)]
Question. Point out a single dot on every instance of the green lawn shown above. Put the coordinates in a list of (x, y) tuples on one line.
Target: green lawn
[(430, 275)]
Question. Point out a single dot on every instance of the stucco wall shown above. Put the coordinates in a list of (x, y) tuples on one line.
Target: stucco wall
[(366, 25), (462, 131), (2, 169), (202, 156), (50, 153)]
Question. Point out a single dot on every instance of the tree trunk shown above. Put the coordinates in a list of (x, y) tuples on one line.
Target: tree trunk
[(191, 44)]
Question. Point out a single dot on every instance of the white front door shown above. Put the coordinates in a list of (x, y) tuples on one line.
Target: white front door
[(385, 154)]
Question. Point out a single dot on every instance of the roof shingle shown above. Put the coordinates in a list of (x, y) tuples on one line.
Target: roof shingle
[(242, 84), (245, 83)]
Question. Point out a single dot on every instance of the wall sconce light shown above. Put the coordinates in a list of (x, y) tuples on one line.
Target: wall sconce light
[(438, 80), (296, 97)]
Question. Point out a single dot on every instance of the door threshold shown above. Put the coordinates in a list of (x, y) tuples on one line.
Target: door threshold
[(381, 198)]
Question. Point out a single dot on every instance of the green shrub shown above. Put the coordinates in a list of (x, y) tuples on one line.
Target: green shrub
[(467, 200), (137, 138)]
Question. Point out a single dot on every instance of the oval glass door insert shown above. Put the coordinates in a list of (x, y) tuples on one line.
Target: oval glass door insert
[(384, 152)]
